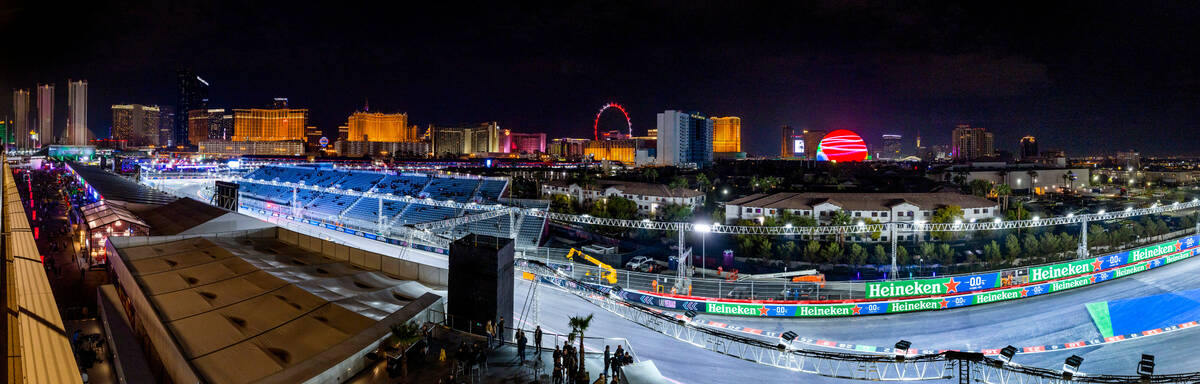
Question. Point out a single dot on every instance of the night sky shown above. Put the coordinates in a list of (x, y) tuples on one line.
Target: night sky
[(1086, 77)]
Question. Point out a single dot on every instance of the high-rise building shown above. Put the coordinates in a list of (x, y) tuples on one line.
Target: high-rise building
[(45, 122), (280, 103), (727, 134), (210, 124), (623, 150), (567, 148), (483, 138), (1129, 160), (77, 123), (312, 138), (812, 143), (684, 138), (513, 142), (193, 94), (891, 147), (970, 143), (256, 124), (1029, 148), (137, 125), (21, 129), (381, 127), (785, 142), (166, 125)]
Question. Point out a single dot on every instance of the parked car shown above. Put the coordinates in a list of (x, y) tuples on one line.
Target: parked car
[(638, 262)]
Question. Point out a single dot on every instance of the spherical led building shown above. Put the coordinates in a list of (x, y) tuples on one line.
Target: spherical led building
[(842, 145)]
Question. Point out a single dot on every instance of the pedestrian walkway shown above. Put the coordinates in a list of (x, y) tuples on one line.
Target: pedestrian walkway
[(503, 364)]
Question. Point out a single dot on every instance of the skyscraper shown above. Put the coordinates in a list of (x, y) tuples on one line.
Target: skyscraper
[(812, 143), (209, 124), (193, 94), (684, 138), (256, 124), (727, 134), (891, 147), (1029, 148), (484, 137), (45, 121), (166, 125), (77, 122), (21, 128), (139, 125), (381, 127), (970, 143), (785, 141)]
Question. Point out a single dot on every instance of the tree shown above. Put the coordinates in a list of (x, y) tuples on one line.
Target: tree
[(832, 253), (615, 207), (579, 324), (675, 212), (979, 187), (562, 204), (785, 250), (991, 253), (881, 256), (928, 251), (703, 182), (678, 182), (858, 254), (1013, 246), (947, 254), (902, 255), (405, 334), (812, 250), (1003, 192), (840, 217), (944, 215), (1031, 244), (650, 174)]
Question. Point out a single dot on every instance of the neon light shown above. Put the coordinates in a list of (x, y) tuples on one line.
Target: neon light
[(842, 145), (596, 124)]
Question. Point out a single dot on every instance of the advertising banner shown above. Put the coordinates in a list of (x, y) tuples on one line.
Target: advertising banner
[(926, 287)]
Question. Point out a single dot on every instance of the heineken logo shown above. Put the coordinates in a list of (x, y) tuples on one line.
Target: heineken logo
[(730, 309), (1152, 252), (992, 297), (1060, 270), (1068, 284), (812, 310), (1178, 256), (911, 288), (920, 305), (1126, 271)]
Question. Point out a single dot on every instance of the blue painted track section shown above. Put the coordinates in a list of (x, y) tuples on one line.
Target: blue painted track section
[(1138, 314)]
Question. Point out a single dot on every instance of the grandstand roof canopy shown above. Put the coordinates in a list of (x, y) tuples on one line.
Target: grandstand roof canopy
[(181, 215), (116, 188), (257, 309)]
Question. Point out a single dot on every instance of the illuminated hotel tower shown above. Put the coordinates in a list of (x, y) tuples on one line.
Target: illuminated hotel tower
[(77, 112), (365, 126), (269, 124), (727, 134), (45, 121), (21, 110)]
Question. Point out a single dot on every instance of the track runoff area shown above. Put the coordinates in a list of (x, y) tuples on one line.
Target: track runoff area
[(1110, 325)]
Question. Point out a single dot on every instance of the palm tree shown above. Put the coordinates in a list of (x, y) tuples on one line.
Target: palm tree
[(1032, 180), (840, 218), (405, 334), (1003, 191), (579, 324)]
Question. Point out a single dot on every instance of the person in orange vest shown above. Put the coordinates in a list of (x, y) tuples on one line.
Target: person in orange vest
[(654, 285)]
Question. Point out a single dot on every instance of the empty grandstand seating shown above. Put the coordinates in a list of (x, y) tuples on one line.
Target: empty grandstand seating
[(354, 211), (460, 190)]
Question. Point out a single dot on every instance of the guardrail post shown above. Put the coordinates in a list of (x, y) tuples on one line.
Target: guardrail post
[(1083, 242)]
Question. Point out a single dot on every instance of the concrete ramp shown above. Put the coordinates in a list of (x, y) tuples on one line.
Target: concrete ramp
[(642, 373)]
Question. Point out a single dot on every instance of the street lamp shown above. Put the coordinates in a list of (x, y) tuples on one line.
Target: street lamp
[(704, 229)]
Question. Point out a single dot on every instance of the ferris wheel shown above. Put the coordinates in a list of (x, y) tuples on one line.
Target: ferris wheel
[(596, 124)]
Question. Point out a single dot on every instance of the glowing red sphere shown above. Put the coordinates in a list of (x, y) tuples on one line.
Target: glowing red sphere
[(842, 145)]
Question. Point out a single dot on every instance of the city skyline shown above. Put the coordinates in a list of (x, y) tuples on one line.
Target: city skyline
[(953, 64)]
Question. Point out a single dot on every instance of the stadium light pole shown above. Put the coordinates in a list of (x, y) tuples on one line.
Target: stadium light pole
[(704, 229), (892, 237)]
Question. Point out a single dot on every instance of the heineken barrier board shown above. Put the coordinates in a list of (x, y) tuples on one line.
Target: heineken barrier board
[(929, 287), (1058, 271), (901, 306)]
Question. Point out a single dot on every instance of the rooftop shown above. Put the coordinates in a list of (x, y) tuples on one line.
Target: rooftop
[(861, 201), (633, 187), (113, 187), (257, 309)]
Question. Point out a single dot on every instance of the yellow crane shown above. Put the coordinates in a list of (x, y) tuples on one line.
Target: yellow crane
[(606, 271)]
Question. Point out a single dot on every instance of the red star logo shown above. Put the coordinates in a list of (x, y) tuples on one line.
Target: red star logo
[(857, 309), (1092, 279), (951, 286), (1024, 292), (763, 311), (1178, 246), (944, 303), (1096, 265)]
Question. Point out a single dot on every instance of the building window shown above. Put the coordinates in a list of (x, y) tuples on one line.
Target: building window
[(758, 210), (885, 214), (874, 214)]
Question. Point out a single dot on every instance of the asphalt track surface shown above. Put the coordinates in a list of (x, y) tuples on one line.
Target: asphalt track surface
[(1042, 320)]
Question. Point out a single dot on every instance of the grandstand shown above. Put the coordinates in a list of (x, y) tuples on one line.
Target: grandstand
[(365, 213)]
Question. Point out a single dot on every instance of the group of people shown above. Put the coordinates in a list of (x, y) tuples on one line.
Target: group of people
[(466, 357)]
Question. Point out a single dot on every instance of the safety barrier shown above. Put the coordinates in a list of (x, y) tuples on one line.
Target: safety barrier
[(951, 292)]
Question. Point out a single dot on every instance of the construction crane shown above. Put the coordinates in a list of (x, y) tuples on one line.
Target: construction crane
[(606, 271)]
